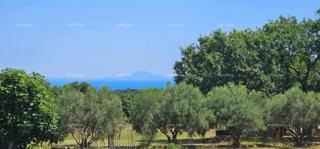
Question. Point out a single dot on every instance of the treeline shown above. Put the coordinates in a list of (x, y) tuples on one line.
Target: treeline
[(238, 81), (32, 111), (271, 59), (183, 108)]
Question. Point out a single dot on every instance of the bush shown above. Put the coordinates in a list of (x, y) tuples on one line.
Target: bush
[(172, 146)]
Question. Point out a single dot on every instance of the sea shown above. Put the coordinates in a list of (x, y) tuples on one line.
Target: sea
[(116, 84)]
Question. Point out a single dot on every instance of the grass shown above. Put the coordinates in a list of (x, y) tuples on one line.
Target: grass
[(129, 137)]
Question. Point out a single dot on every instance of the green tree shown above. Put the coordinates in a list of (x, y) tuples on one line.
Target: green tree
[(221, 58), (78, 116), (297, 47), (296, 110), (271, 58), (182, 110), (235, 109), (112, 113), (27, 109), (144, 107), (87, 114), (177, 109), (127, 96), (82, 87)]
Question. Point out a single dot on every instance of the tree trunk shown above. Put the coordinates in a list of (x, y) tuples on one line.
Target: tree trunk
[(299, 139), (10, 145), (235, 133), (168, 136), (111, 141), (84, 143), (236, 141), (174, 138), (169, 139), (298, 136), (304, 86)]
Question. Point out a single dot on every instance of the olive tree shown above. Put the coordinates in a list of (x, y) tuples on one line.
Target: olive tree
[(235, 109), (127, 96), (182, 110), (78, 116), (88, 114), (142, 114), (111, 112), (297, 111), (27, 109), (176, 109)]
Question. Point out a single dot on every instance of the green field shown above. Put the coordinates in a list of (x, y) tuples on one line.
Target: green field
[(129, 137)]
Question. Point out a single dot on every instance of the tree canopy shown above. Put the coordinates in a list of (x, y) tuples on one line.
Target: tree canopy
[(27, 110), (235, 109), (88, 114), (295, 110), (144, 108), (182, 110), (271, 58), (176, 109)]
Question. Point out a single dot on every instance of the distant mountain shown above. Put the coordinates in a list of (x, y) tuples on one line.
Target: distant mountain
[(141, 75)]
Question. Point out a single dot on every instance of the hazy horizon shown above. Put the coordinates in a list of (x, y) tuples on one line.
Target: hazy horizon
[(98, 39)]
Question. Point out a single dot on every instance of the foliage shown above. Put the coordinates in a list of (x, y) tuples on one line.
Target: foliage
[(88, 114), (235, 109), (144, 108), (297, 111), (75, 116), (297, 50), (182, 109), (270, 59), (110, 110), (127, 96), (176, 109), (27, 109), (172, 146)]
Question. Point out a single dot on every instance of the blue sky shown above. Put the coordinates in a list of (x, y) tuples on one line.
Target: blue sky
[(104, 38)]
